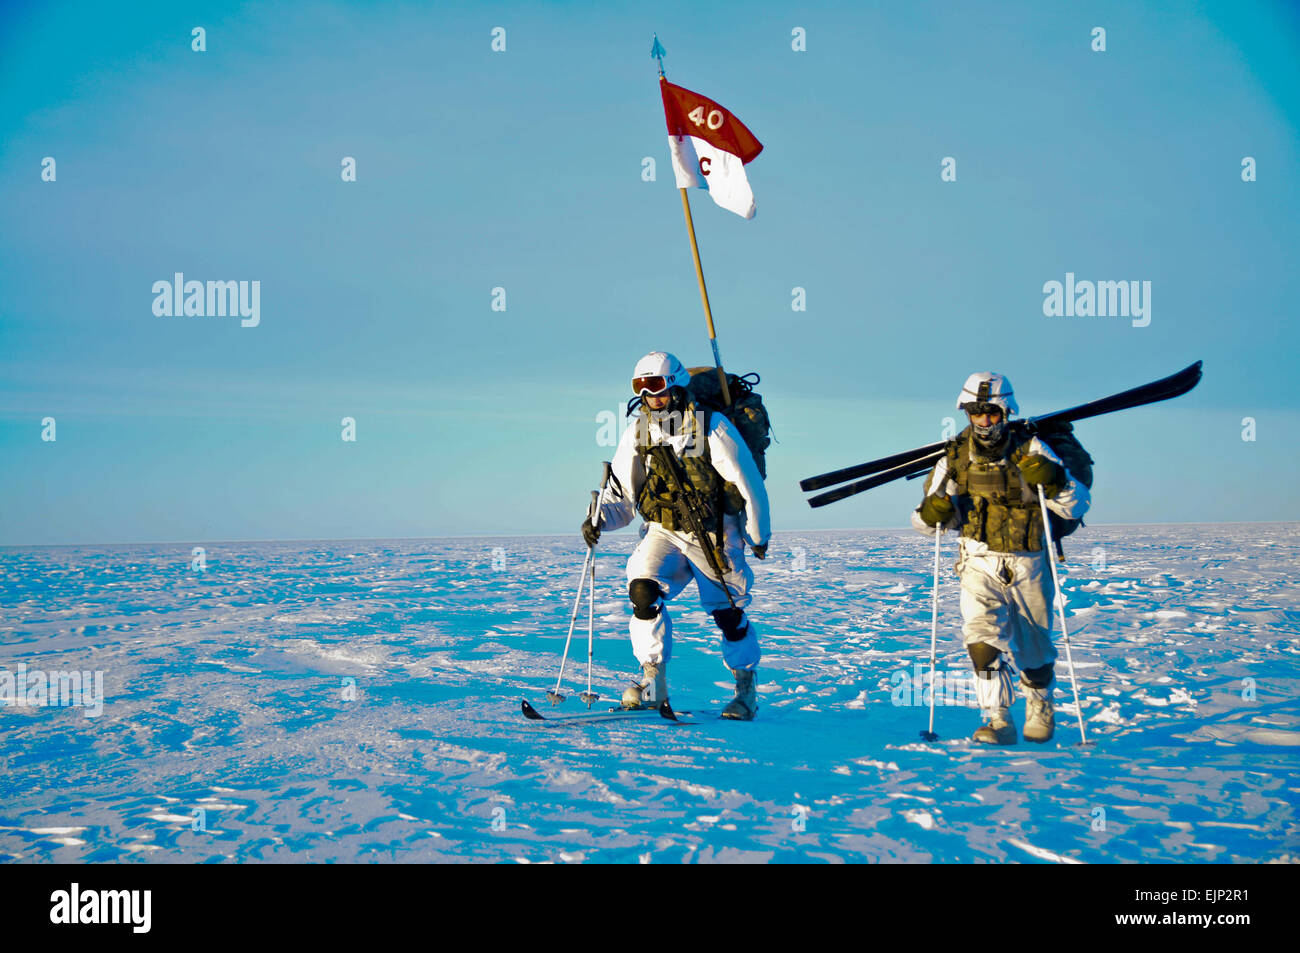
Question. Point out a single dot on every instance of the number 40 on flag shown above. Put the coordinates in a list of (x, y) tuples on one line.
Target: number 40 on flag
[(709, 147)]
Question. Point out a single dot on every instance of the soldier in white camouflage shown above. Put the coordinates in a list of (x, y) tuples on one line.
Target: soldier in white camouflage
[(986, 487), (714, 465)]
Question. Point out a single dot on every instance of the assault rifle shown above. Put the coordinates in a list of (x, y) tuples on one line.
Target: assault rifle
[(692, 511)]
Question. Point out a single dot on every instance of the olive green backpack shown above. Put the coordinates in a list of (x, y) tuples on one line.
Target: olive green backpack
[(746, 412)]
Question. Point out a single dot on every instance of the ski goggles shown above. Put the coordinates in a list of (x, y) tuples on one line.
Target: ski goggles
[(654, 385)]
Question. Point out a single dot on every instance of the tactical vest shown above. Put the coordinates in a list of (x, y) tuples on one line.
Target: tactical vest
[(994, 503), (655, 501)]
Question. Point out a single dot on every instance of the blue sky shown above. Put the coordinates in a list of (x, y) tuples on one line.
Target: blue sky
[(522, 169)]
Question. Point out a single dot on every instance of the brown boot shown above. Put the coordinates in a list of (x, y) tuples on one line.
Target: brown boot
[(745, 705), (651, 689), (1000, 730), (994, 696), (1040, 715)]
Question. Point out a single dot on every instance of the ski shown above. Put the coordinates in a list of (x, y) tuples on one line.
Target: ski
[(694, 716), (667, 711), (823, 480), (912, 463), (611, 714), (1175, 385), (914, 468)]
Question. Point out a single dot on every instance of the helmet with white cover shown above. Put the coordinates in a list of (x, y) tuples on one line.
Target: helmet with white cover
[(657, 372), (983, 393), (986, 387)]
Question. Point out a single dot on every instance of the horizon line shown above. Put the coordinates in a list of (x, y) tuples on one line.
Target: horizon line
[(358, 539)]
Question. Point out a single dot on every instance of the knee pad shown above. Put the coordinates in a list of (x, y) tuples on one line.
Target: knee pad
[(985, 658), (732, 622), (1040, 677), (645, 595)]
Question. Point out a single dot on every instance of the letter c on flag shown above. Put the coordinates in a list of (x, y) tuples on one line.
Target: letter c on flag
[(704, 169)]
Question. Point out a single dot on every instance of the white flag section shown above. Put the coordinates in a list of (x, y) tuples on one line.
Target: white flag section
[(699, 165), (709, 148)]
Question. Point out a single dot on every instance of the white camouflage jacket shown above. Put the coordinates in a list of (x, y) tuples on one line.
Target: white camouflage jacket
[(729, 456)]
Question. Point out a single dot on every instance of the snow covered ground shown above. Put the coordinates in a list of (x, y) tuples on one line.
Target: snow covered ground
[(230, 729)]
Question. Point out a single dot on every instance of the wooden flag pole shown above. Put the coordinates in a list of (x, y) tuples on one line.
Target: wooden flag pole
[(704, 296), (657, 53)]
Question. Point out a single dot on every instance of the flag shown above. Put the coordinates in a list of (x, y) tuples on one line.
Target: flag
[(709, 147)]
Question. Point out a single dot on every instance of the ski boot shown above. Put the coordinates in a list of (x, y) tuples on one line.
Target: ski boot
[(1040, 718), (651, 690), (745, 705), (993, 692), (1000, 730)]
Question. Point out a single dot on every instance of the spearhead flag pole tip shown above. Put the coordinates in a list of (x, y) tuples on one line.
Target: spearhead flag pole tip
[(657, 52)]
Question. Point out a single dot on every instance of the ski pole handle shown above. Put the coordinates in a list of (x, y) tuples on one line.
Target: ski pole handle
[(606, 474)]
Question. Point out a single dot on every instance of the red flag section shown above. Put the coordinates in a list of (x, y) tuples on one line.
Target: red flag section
[(690, 114)]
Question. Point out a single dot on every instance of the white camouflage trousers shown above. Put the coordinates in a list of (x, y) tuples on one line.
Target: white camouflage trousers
[(1006, 602), (673, 559)]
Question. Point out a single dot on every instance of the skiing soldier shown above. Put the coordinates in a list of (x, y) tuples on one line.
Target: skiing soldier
[(690, 475), (986, 486)]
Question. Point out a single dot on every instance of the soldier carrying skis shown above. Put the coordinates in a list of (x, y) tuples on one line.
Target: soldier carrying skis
[(690, 475), (986, 485)]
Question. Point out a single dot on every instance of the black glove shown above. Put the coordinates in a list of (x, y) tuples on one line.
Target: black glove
[(590, 533), (1040, 471), (760, 552), (936, 509)]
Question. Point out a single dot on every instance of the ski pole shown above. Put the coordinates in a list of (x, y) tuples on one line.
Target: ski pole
[(589, 696), (554, 697), (1060, 606), (934, 631)]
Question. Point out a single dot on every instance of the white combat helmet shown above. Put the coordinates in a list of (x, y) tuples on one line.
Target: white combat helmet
[(658, 368), (986, 387)]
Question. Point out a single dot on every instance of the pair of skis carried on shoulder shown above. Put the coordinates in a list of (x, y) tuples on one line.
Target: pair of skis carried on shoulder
[(913, 463)]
